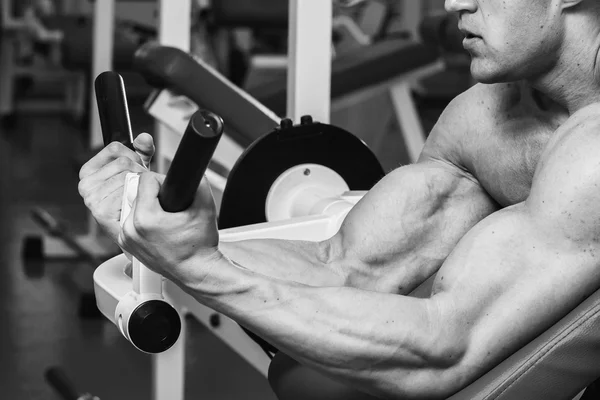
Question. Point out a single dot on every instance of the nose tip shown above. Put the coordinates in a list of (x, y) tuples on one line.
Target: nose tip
[(458, 6)]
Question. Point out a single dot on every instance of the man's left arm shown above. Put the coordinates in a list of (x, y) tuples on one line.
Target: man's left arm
[(510, 278)]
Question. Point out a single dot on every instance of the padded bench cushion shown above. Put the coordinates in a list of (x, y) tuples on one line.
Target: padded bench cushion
[(170, 68), (557, 365), (247, 120), (364, 67)]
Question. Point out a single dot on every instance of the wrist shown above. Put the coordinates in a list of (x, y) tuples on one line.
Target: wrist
[(218, 282), (196, 270)]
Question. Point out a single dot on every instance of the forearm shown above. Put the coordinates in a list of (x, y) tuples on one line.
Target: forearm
[(380, 343), (297, 261)]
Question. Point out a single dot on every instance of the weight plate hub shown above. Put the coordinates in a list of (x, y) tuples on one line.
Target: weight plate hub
[(289, 145)]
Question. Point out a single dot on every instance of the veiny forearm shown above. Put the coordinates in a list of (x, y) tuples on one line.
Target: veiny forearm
[(381, 343), (298, 261)]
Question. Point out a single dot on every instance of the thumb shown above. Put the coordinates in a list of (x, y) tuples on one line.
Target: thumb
[(144, 147), (148, 189)]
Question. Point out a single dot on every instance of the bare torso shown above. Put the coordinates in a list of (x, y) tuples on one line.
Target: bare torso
[(510, 129), (499, 143), (481, 157)]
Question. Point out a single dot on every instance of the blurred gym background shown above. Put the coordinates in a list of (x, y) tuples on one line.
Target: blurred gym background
[(47, 317)]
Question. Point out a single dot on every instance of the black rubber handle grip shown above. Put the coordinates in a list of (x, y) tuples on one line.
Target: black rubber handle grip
[(191, 159), (63, 386), (112, 108)]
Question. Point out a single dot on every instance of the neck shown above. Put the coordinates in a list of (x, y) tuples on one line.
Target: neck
[(574, 81)]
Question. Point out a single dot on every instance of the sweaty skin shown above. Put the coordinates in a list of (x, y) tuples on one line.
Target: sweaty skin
[(501, 208)]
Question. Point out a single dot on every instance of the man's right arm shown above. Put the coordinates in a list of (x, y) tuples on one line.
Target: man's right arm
[(400, 233), (395, 238)]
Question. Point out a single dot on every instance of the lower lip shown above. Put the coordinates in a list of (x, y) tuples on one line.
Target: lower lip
[(470, 42)]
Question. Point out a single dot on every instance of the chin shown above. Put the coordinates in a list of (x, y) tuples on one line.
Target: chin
[(485, 73)]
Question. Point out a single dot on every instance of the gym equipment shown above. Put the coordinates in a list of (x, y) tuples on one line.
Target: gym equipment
[(179, 74), (313, 66), (317, 16), (64, 387), (322, 199), (143, 316), (174, 29), (34, 260), (285, 156), (38, 248), (114, 118), (71, 53), (113, 110), (12, 70), (391, 66), (111, 100)]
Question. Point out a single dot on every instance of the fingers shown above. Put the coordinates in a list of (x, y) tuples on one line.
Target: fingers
[(146, 203), (144, 146), (148, 189), (105, 188), (108, 154), (116, 169), (107, 213)]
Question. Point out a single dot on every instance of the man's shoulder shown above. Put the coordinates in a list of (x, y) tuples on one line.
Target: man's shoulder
[(580, 130), (567, 181), (571, 159), (470, 117)]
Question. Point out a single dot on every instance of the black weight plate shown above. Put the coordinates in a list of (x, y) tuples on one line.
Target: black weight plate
[(254, 173)]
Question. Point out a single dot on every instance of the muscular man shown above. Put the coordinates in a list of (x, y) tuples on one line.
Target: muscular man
[(502, 205)]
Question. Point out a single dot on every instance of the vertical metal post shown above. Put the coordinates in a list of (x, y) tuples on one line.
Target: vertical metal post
[(309, 70), (412, 14), (7, 67), (102, 59), (174, 29), (168, 369)]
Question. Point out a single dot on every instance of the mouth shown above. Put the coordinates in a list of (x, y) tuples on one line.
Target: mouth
[(468, 34)]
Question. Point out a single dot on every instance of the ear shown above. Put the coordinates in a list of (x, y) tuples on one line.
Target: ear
[(570, 3)]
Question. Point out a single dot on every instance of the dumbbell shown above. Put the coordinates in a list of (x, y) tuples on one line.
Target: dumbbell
[(143, 315)]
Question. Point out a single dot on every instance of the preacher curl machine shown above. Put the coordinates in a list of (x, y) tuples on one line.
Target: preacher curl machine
[(303, 191)]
